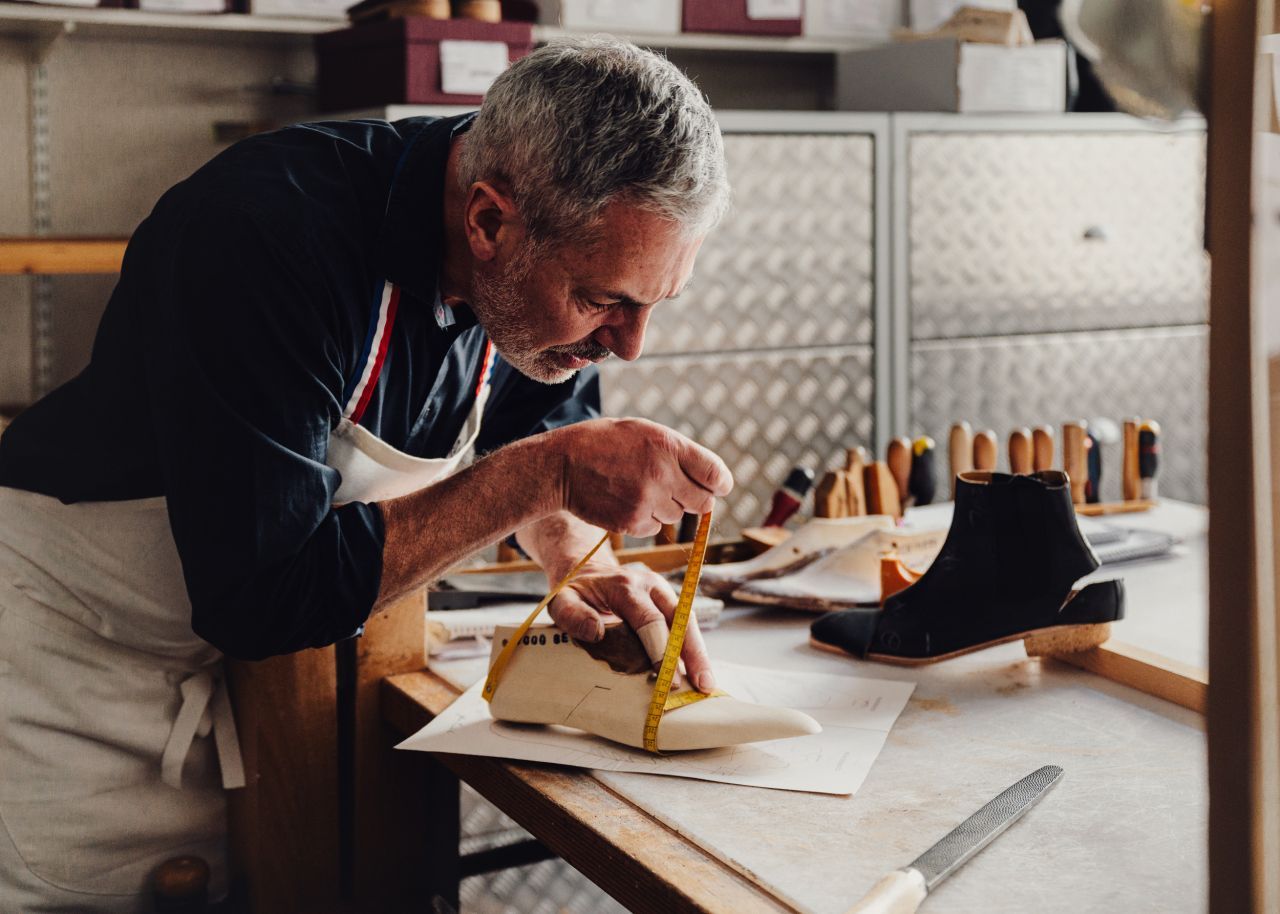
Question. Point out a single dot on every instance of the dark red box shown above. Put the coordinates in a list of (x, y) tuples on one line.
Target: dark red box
[(731, 16), (397, 61)]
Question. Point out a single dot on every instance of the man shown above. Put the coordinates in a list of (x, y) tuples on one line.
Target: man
[(308, 339)]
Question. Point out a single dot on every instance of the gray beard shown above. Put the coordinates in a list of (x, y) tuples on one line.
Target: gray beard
[(499, 306)]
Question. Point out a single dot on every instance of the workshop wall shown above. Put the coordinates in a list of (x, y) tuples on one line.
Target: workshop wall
[(120, 120), (767, 357)]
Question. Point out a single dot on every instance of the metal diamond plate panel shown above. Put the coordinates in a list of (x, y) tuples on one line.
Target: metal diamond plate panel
[(791, 264), (761, 412), (1002, 383), (1029, 233)]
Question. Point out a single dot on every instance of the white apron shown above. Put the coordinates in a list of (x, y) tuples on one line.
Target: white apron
[(116, 734)]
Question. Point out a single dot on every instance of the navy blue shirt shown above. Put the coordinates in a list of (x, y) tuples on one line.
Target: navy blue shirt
[(218, 369)]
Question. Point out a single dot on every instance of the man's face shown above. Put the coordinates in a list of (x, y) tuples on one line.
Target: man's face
[(551, 311)]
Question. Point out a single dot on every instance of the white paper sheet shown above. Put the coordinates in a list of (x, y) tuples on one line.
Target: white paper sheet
[(856, 715)]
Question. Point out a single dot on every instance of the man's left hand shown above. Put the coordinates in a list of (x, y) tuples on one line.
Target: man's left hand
[(641, 597)]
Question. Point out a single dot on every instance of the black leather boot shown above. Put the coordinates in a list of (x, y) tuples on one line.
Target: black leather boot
[(1006, 571)]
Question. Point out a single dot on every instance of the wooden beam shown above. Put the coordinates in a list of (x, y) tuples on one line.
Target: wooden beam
[(1244, 783), (61, 255), (1145, 671), (284, 824)]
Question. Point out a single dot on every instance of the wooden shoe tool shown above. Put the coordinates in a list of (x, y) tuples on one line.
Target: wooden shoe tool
[(898, 458), (855, 490), (1042, 448), (1020, 460), (675, 640), (986, 450), (1074, 462), (882, 490), (1130, 482), (830, 498), (959, 452)]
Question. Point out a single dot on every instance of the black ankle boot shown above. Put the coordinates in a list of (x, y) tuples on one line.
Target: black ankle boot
[(1012, 554)]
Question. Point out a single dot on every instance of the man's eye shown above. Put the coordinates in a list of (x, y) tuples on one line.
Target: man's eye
[(599, 305)]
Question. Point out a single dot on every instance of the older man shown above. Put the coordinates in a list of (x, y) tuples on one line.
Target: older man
[(310, 338)]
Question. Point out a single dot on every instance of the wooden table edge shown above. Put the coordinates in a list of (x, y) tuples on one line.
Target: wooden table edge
[(636, 858)]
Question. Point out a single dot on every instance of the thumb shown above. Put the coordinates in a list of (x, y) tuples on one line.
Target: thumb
[(705, 468)]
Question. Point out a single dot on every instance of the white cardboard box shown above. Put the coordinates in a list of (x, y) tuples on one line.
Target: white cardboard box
[(649, 17), (949, 75), (851, 18)]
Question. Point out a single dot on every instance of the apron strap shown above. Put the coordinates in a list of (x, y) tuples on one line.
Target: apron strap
[(360, 387), (205, 705)]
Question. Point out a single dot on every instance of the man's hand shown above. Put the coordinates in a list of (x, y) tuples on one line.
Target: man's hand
[(644, 600), (631, 475)]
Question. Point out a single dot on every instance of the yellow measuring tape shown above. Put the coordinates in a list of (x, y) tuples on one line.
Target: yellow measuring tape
[(675, 641), (662, 700)]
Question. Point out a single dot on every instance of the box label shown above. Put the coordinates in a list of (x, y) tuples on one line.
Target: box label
[(773, 9), (470, 67)]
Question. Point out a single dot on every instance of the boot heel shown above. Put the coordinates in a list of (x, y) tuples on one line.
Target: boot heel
[(1067, 639)]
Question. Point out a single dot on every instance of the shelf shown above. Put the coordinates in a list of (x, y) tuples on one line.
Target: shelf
[(36, 21), (44, 22), (44, 256), (741, 43)]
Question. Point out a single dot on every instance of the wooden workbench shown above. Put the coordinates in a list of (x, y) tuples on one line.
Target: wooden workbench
[(1125, 830)]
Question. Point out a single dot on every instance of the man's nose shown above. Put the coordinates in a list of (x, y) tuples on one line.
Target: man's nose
[(625, 336)]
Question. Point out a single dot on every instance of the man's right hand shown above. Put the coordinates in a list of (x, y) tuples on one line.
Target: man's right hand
[(632, 475)]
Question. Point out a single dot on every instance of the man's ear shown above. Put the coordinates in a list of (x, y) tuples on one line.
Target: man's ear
[(491, 219)]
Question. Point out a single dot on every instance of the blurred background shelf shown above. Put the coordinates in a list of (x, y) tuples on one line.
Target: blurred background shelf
[(42, 22)]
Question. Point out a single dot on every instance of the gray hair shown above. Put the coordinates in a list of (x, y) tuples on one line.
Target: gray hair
[(579, 124)]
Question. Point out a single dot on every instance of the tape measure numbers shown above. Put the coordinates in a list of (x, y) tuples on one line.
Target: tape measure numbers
[(675, 641)]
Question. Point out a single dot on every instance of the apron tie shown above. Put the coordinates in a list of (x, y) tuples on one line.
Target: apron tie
[(206, 706)]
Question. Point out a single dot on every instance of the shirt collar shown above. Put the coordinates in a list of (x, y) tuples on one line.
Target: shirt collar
[(411, 238)]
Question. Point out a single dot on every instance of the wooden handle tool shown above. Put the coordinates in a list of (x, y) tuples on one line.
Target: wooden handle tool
[(1042, 448), (1020, 460), (882, 490), (986, 450), (959, 452), (898, 458), (1130, 477), (830, 499), (855, 492), (1074, 460), (923, 483)]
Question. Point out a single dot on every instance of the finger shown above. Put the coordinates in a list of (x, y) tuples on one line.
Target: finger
[(706, 469), (670, 513), (575, 616), (696, 659)]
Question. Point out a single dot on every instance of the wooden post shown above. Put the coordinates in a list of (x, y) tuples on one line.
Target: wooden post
[(1243, 725), (285, 825)]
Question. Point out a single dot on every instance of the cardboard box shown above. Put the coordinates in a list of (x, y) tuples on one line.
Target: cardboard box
[(414, 61), (649, 17), (927, 15), (301, 9), (744, 17), (949, 75), (851, 18)]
